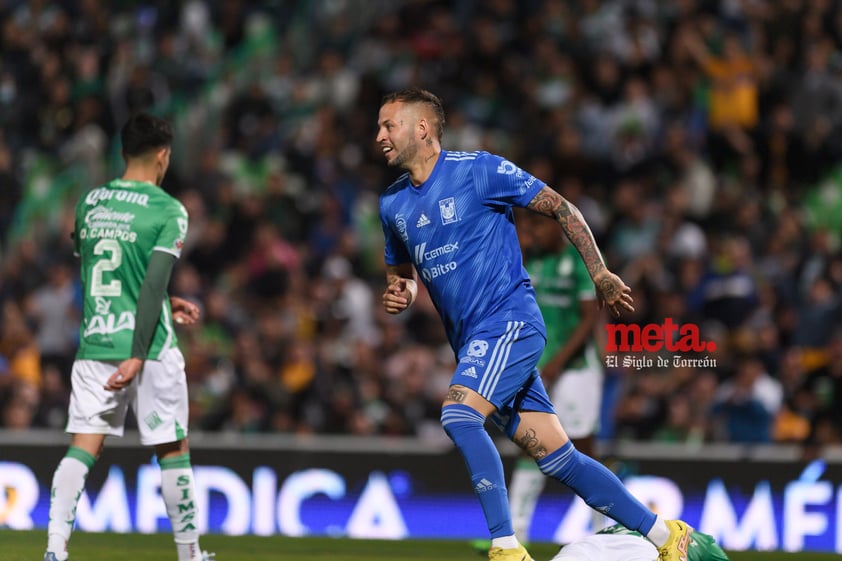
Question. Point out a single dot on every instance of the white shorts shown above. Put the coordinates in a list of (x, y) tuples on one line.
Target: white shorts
[(608, 547), (157, 395), (577, 399)]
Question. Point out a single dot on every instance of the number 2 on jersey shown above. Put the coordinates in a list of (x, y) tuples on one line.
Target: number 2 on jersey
[(112, 262)]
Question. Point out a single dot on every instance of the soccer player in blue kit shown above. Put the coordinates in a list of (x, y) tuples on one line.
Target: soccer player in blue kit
[(450, 218)]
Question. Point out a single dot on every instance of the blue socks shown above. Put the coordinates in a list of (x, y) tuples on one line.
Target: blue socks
[(466, 428), (591, 480), (598, 486)]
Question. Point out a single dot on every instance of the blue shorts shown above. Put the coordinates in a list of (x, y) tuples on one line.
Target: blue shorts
[(499, 363)]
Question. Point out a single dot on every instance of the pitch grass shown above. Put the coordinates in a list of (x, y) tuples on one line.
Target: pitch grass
[(29, 546)]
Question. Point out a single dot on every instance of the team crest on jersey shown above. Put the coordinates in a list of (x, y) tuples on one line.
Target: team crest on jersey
[(400, 224), (447, 208)]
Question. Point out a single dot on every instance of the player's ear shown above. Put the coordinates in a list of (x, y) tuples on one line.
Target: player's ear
[(423, 129), (163, 156)]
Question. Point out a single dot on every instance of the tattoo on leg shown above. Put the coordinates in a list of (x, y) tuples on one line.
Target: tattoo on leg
[(531, 445), (456, 395)]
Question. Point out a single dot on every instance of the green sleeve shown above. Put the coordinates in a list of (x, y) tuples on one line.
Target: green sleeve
[(152, 294)]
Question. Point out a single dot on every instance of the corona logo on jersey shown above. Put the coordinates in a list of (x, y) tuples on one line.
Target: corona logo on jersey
[(103, 194), (654, 338)]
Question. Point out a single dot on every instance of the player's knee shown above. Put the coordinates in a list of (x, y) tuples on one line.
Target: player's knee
[(562, 463), (457, 419)]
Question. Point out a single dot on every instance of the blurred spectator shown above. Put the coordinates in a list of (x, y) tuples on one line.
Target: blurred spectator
[(53, 310), (824, 393), (19, 346), (747, 404), (727, 292), (10, 193), (18, 408)]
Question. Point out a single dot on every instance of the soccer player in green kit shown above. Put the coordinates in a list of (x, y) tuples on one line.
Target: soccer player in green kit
[(617, 543), (570, 366), (128, 235)]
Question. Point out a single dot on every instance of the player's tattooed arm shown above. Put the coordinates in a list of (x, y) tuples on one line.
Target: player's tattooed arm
[(613, 291), (549, 203)]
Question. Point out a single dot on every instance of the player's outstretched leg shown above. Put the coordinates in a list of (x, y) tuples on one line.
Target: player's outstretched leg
[(603, 491)]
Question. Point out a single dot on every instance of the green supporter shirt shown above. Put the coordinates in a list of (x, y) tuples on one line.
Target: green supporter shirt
[(561, 282), (118, 226), (702, 546)]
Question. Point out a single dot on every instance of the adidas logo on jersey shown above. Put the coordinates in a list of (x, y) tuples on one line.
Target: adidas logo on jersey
[(422, 221), (484, 485), (470, 372)]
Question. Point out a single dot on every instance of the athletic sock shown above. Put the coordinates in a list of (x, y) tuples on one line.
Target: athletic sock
[(179, 494), (465, 427), (524, 490), (598, 486), (659, 534), (67, 487), (505, 542)]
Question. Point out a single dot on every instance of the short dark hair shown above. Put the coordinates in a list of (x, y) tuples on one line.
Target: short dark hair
[(143, 133), (417, 95)]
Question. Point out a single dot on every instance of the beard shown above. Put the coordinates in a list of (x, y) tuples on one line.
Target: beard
[(407, 155)]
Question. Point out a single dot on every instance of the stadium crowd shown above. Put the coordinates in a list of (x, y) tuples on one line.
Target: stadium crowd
[(699, 138)]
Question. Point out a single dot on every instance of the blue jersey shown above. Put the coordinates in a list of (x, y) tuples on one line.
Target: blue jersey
[(457, 229)]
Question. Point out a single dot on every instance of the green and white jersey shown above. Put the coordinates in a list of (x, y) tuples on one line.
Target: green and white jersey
[(561, 282), (702, 546), (118, 226)]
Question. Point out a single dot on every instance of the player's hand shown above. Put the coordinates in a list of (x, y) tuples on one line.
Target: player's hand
[(125, 373), (184, 312), (399, 296), (613, 293)]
